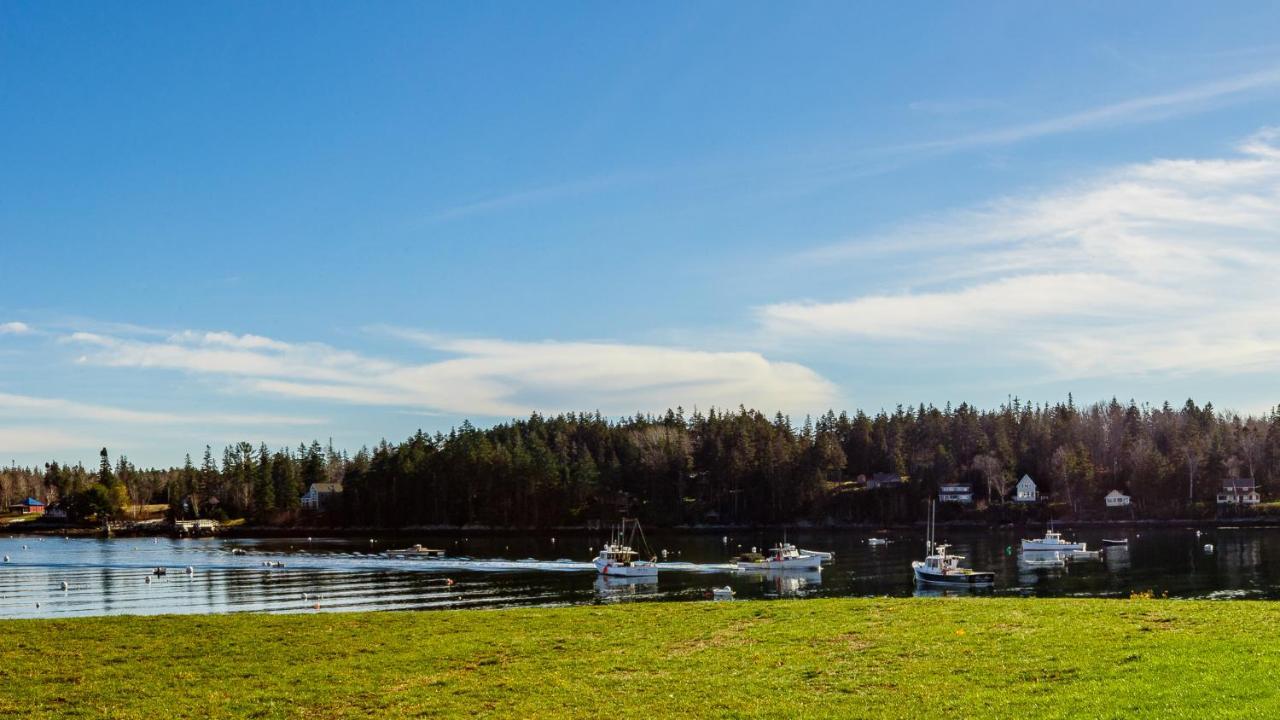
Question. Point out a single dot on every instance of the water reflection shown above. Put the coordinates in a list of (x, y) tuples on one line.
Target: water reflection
[(787, 583), (301, 575), (614, 588)]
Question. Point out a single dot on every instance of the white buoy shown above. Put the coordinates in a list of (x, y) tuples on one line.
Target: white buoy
[(725, 540), (304, 596), (1208, 548), (147, 579), (191, 570), (6, 558), (64, 585)]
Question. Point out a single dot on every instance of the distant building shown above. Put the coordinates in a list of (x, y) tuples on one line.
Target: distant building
[(319, 495), (1026, 490), (955, 493), (1115, 498), (56, 512), (882, 480), (1239, 491), (30, 506)]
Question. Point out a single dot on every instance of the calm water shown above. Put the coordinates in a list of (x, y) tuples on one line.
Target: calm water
[(106, 577)]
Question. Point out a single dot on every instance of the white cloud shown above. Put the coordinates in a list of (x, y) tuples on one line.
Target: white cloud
[(483, 377), (18, 440), (14, 328), (27, 406), (1168, 266), (1139, 109)]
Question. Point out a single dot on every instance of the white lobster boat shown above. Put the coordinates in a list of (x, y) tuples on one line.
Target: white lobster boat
[(617, 559), (1053, 541), (783, 556)]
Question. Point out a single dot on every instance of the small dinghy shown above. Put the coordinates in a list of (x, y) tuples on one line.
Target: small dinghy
[(1120, 541), (877, 541), (722, 593)]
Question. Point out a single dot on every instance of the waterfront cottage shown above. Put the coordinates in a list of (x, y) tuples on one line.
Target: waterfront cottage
[(955, 493), (319, 495), (1026, 490), (1239, 491), (1115, 498), (30, 506)]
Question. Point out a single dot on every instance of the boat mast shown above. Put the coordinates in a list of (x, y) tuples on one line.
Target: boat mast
[(928, 534)]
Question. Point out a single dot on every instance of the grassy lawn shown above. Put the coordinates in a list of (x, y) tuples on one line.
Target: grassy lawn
[(894, 658)]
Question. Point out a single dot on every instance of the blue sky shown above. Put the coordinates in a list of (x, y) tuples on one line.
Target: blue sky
[(282, 221)]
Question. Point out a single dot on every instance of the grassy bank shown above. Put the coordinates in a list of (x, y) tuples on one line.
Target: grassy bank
[(894, 658)]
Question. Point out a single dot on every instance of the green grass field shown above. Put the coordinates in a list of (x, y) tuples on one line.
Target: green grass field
[(892, 658)]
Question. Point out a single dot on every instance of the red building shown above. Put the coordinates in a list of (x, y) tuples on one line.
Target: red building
[(30, 506)]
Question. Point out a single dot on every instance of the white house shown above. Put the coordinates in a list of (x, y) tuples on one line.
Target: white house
[(320, 494), (1115, 498), (1239, 491), (1026, 490), (955, 493)]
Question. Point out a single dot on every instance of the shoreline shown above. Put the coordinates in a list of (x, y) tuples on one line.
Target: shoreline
[(35, 528)]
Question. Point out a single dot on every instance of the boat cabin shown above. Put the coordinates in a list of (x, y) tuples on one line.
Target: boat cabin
[(955, 493)]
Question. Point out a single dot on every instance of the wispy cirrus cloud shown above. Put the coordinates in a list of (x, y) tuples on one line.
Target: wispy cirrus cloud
[(1166, 266), (483, 377), (1145, 108), (27, 407), (41, 439)]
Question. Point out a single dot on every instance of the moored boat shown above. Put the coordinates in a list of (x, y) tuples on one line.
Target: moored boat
[(783, 556), (940, 567), (1052, 541), (617, 558), (417, 551)]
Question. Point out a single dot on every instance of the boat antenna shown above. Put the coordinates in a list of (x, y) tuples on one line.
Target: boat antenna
[(928, 535)]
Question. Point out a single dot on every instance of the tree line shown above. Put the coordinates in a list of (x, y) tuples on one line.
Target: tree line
[(718, 467)]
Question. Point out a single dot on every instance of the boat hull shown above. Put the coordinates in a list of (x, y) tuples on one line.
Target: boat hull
[(636, 569), (955, 579), (1045, 547), (809, 562)]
